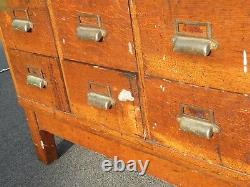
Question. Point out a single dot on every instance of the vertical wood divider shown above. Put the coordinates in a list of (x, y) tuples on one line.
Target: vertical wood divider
[(58, 47), (140, 66)]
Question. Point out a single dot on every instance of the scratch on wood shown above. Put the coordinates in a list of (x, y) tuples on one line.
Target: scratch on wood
[(162, 88), (219, 153), (155, 125), (130, 48), (42, 144), (63, 40), (164, 58), (245, 62)]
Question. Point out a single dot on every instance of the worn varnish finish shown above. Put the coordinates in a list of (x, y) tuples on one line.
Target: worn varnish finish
[(44, 141), (70, 127), (24, 64), (175, 171), (40, 39), (231, 113), (223, 68), (123, 116), (147, 127), (115, 51), (163, 161)]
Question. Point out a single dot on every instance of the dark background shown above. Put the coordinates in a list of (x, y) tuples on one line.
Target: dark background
[(76, 166)]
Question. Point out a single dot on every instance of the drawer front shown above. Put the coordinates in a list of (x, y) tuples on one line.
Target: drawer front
[(26, 26), (206, 123), (103, 97), (38, 79), (96, 32), (177, 34)]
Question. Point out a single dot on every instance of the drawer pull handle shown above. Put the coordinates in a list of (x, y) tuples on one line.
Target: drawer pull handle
[(100, 100), (21, 24), (186, 43), (36, 81), (192, 119), (90, 32)]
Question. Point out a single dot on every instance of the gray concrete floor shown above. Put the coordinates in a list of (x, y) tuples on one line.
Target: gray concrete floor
[(76, 166)]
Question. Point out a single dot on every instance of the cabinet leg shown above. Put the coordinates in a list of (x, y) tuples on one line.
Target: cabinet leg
[(44, 142)]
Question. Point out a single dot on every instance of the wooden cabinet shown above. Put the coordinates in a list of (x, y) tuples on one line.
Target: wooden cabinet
[(138, 79)]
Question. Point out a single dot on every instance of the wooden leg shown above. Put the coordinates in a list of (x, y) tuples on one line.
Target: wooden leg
[(44, 141)]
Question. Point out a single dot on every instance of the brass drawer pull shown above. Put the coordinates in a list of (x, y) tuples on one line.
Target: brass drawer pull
[(186, 43), (90, 32), (197, 121), (36, 81), (22, 24), (100, 100)]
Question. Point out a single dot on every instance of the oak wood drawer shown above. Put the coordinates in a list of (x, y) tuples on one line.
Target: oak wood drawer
[(223, 68), (91, 88), (38, 79), (26, 26), (115, 50), (230, 112)]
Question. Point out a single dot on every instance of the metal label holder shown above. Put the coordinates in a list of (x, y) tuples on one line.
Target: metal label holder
[(100, 100), (35, 78), (21, 24), (187, 43), (90, 32), (197, 125)]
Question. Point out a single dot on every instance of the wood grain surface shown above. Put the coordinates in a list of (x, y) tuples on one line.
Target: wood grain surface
[(53, 95), (137, 56), (167, 165), (69, 127), (230, 147), (223, 69), (123, 116), (115, 51), (43, 141), (40, 40)]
